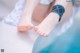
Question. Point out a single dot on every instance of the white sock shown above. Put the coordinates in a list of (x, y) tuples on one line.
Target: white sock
[(15, 15)]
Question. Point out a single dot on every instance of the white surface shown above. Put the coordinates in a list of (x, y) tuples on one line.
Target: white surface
[(9, 3), (3, 10), (6, 7), (14, 42), (10, 40)]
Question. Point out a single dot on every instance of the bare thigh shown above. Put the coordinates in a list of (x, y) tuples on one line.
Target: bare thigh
[(40, 12)]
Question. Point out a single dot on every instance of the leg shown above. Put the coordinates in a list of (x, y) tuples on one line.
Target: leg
[(40, 12), (25, 21), (52, 19)]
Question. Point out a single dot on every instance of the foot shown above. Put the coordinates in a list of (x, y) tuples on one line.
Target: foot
[(47, 25), (23, 28), (25, 25)]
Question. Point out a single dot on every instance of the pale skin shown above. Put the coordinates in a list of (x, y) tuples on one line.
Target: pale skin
[(25, 22), (41, 11), (49, 23), (35, 10)]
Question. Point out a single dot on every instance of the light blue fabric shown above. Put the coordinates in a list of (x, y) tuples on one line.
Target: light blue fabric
[(68, 42), (63, 42)]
